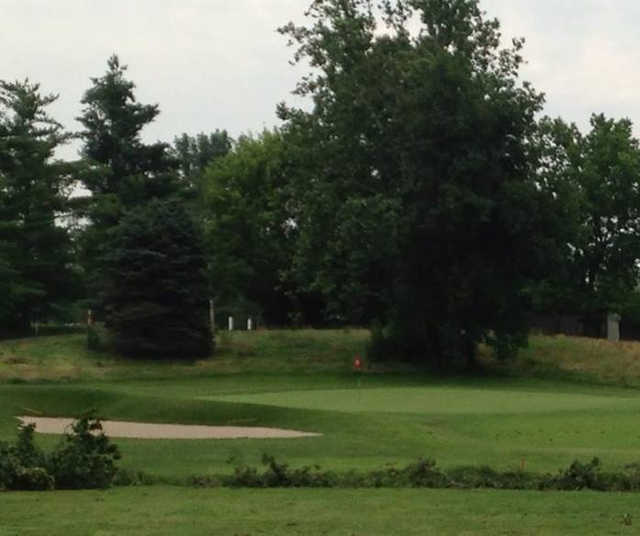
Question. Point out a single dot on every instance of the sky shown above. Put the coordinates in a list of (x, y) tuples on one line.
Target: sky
[(221, 64)]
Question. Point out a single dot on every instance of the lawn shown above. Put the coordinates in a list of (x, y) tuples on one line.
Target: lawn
[(303, 380), (163, 510)]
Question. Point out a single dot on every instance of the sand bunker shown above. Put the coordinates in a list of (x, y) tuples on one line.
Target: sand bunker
[(138, 430)]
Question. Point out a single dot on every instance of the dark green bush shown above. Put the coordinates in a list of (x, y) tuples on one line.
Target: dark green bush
[(33, 479), (578, 476), (22, 465), (425, 474), (9, 467), (243, 477), (277, 475), (486, 477), (86, 458)]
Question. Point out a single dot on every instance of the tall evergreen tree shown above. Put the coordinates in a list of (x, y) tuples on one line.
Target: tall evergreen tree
[(156, 287), (35, 252), (124, 168), (122, 172)]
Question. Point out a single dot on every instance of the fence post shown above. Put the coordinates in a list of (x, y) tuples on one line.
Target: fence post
[(613, 327)]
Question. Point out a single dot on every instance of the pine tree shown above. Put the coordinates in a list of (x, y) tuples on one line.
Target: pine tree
[(35, 252), (156, 287)]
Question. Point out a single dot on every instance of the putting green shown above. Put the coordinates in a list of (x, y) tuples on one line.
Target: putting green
[(435, 400)]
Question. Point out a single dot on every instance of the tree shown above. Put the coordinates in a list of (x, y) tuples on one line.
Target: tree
[(247, 226), (595, 177), (194, 154), (124, 167), (122, 173), (417, 204), (156, 288), (35, 252)]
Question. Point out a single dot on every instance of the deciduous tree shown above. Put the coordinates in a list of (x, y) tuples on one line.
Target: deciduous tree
[(417, 204)]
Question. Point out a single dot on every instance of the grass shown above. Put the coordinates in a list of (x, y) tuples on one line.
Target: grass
[(534, 411), (167, 511), (67, 359), (579, 358)]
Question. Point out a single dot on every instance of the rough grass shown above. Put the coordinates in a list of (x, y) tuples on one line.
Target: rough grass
[(67, 358), (575, 358)]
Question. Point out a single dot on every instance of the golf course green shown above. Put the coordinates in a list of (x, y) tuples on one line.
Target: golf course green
[(368, 421)]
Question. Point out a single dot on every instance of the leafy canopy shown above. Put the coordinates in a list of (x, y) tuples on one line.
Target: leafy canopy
[(416, 204)]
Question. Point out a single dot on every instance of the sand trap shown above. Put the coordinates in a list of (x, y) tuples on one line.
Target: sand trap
[(138, 430)]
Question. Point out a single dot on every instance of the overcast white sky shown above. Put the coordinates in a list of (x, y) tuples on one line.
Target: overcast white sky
[(221, 64)]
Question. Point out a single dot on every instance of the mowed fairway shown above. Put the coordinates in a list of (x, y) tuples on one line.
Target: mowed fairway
[(371, 422), (387, 420)]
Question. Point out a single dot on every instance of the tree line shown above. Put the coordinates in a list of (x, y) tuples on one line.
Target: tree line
[(421, 194)]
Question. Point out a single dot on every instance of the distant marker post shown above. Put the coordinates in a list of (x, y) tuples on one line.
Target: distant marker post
[(357, 367)]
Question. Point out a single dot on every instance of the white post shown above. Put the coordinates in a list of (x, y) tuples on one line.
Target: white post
[(230, 323), (249, 324), (613, 327)]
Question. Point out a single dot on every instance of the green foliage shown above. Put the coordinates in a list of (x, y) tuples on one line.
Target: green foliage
[(86, 458), (415, 201), (577, 476), (248, 228), (122, 166), (593, 179), (121, 172), (33, 479), (156, 290), (424, 474), (35, 252), (194, 154), (485, 477), (22, 465)]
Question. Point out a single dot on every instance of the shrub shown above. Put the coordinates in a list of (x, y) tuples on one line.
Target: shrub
[(86, 458), (22, 465), (424, 474), (486, 477), (33, 479), (578, 476)]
